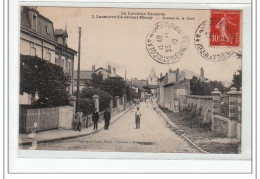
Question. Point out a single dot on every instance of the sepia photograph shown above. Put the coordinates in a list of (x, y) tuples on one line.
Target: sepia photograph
[(104, 79)]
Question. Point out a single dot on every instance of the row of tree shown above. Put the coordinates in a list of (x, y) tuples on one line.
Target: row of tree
[(106, 89), (198, 87)]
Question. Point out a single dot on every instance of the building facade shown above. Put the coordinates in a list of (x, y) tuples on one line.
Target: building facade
[(173, 89), (38, 38)]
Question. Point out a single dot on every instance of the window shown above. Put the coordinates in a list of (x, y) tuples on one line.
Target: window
[(66, 65), (34, 22), (62, 63), (48, 54), (33, 49), (47, 30), (56, 59), (69, 66)]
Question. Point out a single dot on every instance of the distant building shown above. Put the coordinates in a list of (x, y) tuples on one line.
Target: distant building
[(175, 86), (38, 38), (152, 84), (86, 76)]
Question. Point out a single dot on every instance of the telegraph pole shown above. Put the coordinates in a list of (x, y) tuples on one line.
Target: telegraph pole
[(125, 88), (78, 70)]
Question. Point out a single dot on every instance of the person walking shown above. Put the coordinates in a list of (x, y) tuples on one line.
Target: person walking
[(137, 118), (107, 116), (95, 118)]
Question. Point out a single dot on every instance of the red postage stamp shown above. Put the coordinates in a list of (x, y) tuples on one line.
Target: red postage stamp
[(225, 28)]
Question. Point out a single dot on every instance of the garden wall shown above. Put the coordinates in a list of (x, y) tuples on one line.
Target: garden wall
[(205, 102)]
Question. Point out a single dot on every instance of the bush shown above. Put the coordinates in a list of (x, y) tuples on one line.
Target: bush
[(104, 97)]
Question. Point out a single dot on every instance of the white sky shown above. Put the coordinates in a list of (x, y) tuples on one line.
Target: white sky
[(121, 43)]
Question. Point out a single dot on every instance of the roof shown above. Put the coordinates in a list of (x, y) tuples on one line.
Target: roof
[(43, 23), (100, 68), (153, 86), (84, 75)]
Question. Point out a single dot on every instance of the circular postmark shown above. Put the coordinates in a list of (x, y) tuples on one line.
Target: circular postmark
[(167, 43), (201, 42)]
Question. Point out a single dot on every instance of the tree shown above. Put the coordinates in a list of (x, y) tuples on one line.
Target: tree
[(131, 94), (46, 79), (97, 80), (115, 86), (237, 79), (198, 87)]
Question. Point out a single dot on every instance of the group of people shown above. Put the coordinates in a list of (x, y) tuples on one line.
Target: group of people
[(95, 117), (107, 117)]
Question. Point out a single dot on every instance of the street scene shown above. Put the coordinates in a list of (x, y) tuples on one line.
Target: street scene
[(153, 136), (130, 80)]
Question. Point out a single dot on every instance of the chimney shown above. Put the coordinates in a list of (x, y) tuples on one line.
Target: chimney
[(161, 75), (170, 70), (93, 67), (201, 72), (109, 68), (178, 70), (114, 70)]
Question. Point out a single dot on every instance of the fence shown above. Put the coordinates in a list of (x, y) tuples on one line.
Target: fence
[(224, 107), (46, 118), (227, 113)]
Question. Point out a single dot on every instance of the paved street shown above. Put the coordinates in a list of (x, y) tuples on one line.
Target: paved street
[(154, 136)]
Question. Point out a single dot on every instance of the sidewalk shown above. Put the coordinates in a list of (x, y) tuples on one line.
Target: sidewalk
[(63, 134)]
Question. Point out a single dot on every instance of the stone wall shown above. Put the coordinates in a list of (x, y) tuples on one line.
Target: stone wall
[(203, 102)]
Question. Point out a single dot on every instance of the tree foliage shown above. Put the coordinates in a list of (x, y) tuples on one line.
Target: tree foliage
[(87, 105), (198, 87), (97, 80), (237, 79), (115, 86), (104, 97), (130, 93), (46, 79)]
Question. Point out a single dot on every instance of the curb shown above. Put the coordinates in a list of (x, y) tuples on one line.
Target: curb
[(76, 136), (180, 132)]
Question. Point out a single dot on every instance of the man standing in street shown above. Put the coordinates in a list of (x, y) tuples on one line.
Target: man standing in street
[(95, 118), (107, 116), (137, 118)]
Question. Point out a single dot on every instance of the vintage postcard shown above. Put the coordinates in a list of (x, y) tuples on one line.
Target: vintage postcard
[(159, 80)]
